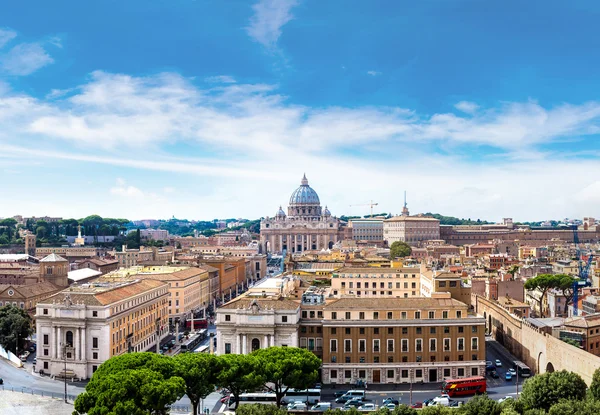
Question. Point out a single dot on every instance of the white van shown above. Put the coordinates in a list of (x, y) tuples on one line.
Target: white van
[(355, 394), (321, 406), (296, 406), (440, 400)]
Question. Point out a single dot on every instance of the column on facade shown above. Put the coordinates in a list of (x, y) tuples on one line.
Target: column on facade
[(59, 342), (53, 343), (280, 243), (244, 344), (83, 355), (76, 345), (238, 350), (266, 343)]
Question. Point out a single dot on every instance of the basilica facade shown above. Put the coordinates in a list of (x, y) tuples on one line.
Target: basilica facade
[(306, 227)]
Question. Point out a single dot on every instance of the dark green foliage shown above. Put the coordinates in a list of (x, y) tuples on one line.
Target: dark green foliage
[(260, 409), (436, 410), (595, 385), (198, 372), (575, 408), (15, 327), (287, 367), (400, 250), (543, 391), (451, 220), (404, 410), (544, 282), (238, 373), (480, 405)]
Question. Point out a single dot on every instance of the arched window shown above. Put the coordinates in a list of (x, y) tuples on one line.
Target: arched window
[(255, 344), (70, 338)]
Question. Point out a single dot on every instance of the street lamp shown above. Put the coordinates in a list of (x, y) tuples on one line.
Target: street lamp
[(64, 350)]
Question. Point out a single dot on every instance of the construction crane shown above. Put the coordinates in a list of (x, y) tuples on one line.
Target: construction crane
[(367, 204), (583, 272)]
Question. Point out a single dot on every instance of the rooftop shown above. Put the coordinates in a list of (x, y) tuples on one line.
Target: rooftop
[(279, 303), (412, 219), (416, 303), (53, 258)]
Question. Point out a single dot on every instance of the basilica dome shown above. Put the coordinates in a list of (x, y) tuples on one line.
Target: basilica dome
[(304, 195)]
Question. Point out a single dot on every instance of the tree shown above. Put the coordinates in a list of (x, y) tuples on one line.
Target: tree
[(404, 410), (543, 283), (133, 383), (260, 409), (543, 391), (15, 328), (574, 407), (400, 250), (238, 373), (9, 225), (481, 405), (566, 285), (287, 367), (436, 410), (198, 372), (595, 385)]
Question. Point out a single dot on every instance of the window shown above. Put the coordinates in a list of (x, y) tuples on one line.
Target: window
[(404, 373), (45, 352), (333, 359), (446, 345), (347, 345), (361, 315), (390, 345), (45, 365), (474, 329), (431, 314), (452, 284), (94, 342), (432, 345), (458, 314), (417, 315), (347, 374), (46, 342), (376, 330), (461, 372), (461, 329), (347, 315), (390, 373), (474, 343), (390, 330), (375, 315), (227, 348), (403, 315), (347, 330), (94, 314), (376, 345), (419, 373), (227, 317), (284, 319), (460, 344), (404, 345), (474, 371), (390, 359), (45, 311), (303, 329), (419, 345), (333, 330), (461, 358), (347, 359), (361, 330), (375, 359), (333, 374), (446, 372), (404, 359), (442, 284), (431, 330), (445, 314), (333, 345), (404, 330), (406, 285), (95, 355), (419, 330), (389, 315), (473, 357), (312, 314), (304, 314), (362, 345), (333, 315)]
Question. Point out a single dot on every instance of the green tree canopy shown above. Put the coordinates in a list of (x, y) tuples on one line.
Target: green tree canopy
[(260, 409), (287, 367), (132, 384), (15, 328), (480, 405), (400, 250), (595, 385), (238, 373), (545, 282), (198, 371), (543, 391)]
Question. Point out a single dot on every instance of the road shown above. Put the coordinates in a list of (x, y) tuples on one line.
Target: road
[(23, 379)]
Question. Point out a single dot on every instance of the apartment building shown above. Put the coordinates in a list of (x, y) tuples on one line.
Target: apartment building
[(394, 340), (84, 326), (410, 229), (376, 282), (434, 281), (367, 229)]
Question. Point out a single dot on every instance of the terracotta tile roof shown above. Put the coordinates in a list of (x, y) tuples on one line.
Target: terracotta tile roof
[(86, 298), (208, 268), (121, 293), (374, 270), (280, 303), (417, 303), (177, 275), (591, 320)]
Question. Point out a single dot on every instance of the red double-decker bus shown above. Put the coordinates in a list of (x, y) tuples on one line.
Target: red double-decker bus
[(465, 386)]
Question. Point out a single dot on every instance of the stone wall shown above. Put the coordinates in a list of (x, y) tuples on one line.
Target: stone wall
[(537, 348)]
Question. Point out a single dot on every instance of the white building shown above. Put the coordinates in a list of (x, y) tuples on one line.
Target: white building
[(410, 229), (88, 324)]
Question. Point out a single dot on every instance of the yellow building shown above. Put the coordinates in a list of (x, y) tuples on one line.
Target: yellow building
[(376, 282)]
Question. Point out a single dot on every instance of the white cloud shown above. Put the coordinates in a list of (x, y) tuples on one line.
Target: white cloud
[(466, 106), (122, 189), (220, 79), (373, 73), (268, 19), (25, 59), (6, 35), (168, 189)]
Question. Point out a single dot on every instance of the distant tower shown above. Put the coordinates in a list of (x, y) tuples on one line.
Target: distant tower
[(55, 269), (405, 209), (30, 241)]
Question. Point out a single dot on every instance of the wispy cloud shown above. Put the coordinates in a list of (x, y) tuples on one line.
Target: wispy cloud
[(6, 35), (122, 189), (268, 19), (25, 59), (220, 79), (466, 106), (373, 73)]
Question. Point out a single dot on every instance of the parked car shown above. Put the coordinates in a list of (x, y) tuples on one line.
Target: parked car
[(321, 406), (494, 374), (367, 407), (418, 405), (390, 405), (512, 371), (342, 399), (296, 406), (439, 400), (508, 376), (353, 403), (225, 399), (498, 363), (506, 398), (391, 400), (455, 404), (35, 360), (337, 394)]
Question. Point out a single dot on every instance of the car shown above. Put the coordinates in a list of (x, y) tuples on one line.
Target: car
[(321, 406), (489, 363), (337, 394), (498, 363), (35, 360), (225, 399), (391, 400), (296, 406), (418, 405), (512, 372), (390, 405), (342, 399), (456, 403), (317, 386), (505, 398), (367, 407), (508, 376), (426, 402), (494, 374), (439, 400), (353, 403)]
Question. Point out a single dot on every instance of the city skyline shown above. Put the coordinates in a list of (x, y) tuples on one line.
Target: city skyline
[(217, 110)]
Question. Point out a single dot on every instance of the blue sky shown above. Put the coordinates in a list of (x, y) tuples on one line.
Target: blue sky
[(205, 109)]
